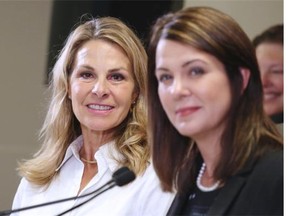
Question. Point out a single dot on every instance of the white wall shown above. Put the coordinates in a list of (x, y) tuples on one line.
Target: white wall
[(24, 33), (253, 15)]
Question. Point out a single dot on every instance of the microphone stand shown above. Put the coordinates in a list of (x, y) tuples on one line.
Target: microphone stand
[(8, 212), (120, 177), (91, 198)]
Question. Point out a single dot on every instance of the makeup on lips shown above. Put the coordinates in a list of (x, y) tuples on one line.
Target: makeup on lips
[(100, 108), (185, 111)]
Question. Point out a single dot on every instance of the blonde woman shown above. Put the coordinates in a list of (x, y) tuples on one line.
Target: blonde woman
[(95, 124)]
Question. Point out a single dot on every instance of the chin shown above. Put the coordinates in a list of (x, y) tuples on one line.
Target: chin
[(187, 133), (272, 111)]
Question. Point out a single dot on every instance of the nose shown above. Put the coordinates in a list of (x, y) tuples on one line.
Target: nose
[(180, 88), (100, 88)]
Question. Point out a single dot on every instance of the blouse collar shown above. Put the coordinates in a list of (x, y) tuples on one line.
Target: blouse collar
[(107, 154)]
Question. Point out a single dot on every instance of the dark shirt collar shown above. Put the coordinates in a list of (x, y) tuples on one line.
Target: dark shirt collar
[(277, 118)]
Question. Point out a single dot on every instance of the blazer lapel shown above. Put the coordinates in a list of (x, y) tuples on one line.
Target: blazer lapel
[(226, 196), (230, 191), (177, 205)]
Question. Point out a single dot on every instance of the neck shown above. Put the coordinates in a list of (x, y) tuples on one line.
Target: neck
[(92, 141)]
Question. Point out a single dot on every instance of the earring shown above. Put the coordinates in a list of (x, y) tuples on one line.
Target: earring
[(132, 106)]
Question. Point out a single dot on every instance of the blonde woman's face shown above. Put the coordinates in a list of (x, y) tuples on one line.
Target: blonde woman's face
[(193, 88), (101, 86)]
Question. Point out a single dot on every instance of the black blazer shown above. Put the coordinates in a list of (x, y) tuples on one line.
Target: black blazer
[(256, 190)]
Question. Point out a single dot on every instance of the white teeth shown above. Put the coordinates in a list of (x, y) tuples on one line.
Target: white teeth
[(99, 107), (269, 96)]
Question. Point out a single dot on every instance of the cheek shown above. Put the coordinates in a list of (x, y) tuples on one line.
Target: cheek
[(77, 95), (219, 95), (278, 83), (166, 100), (75, 89), (124, 96), (161, 94)]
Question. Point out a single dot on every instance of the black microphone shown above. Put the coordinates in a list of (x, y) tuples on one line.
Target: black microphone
[(120, 177)]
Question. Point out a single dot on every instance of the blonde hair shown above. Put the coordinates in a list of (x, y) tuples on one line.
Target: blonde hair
[(61, 127)]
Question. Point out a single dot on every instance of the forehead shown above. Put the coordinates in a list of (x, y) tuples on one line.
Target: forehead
[(101, 52), (171, 49), (100, 46), (269, 50), (169, 52)]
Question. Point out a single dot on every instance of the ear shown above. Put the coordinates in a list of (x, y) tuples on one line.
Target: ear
[(245, 77), (134, 97), (69, 92)]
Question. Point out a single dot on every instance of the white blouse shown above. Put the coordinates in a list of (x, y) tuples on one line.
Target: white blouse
[(142, 197)]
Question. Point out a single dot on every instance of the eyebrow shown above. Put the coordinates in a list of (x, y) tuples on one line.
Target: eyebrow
[(110, 70), (85, 66), (161, 69), (119, 69), (183, 65), (192, 61)]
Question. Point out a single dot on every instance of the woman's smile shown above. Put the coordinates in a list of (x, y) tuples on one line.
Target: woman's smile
[(186, 111)]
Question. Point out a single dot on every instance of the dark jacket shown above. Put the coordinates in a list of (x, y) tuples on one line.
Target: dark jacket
[(256, 190)]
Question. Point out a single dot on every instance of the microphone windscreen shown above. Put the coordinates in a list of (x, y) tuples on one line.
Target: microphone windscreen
[(123, 176)]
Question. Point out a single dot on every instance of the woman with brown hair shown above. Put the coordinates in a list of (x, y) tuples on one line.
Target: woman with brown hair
[(212, 141)]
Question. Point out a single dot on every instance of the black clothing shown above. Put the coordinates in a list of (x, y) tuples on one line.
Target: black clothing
[(256, 190)]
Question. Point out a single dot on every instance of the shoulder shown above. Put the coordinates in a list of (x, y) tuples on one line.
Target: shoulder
[(149, 177), (25, 193), (268, 172), (272, 160), (26, 187)]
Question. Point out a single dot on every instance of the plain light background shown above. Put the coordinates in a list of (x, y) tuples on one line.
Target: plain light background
[(24, 37)]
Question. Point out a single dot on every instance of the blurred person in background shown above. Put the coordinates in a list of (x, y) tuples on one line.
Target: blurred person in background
[(269, 52)]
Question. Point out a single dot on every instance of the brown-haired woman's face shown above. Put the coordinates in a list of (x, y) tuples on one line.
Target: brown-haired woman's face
[(193, 88)]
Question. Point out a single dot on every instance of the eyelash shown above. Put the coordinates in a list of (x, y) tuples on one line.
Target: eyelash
[(277, 71), (196, 71), (86, 75), (116, 77), (164, 77)]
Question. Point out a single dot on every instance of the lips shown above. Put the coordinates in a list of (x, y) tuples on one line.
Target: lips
[(99, 107), (186, 111), (270, 95)]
